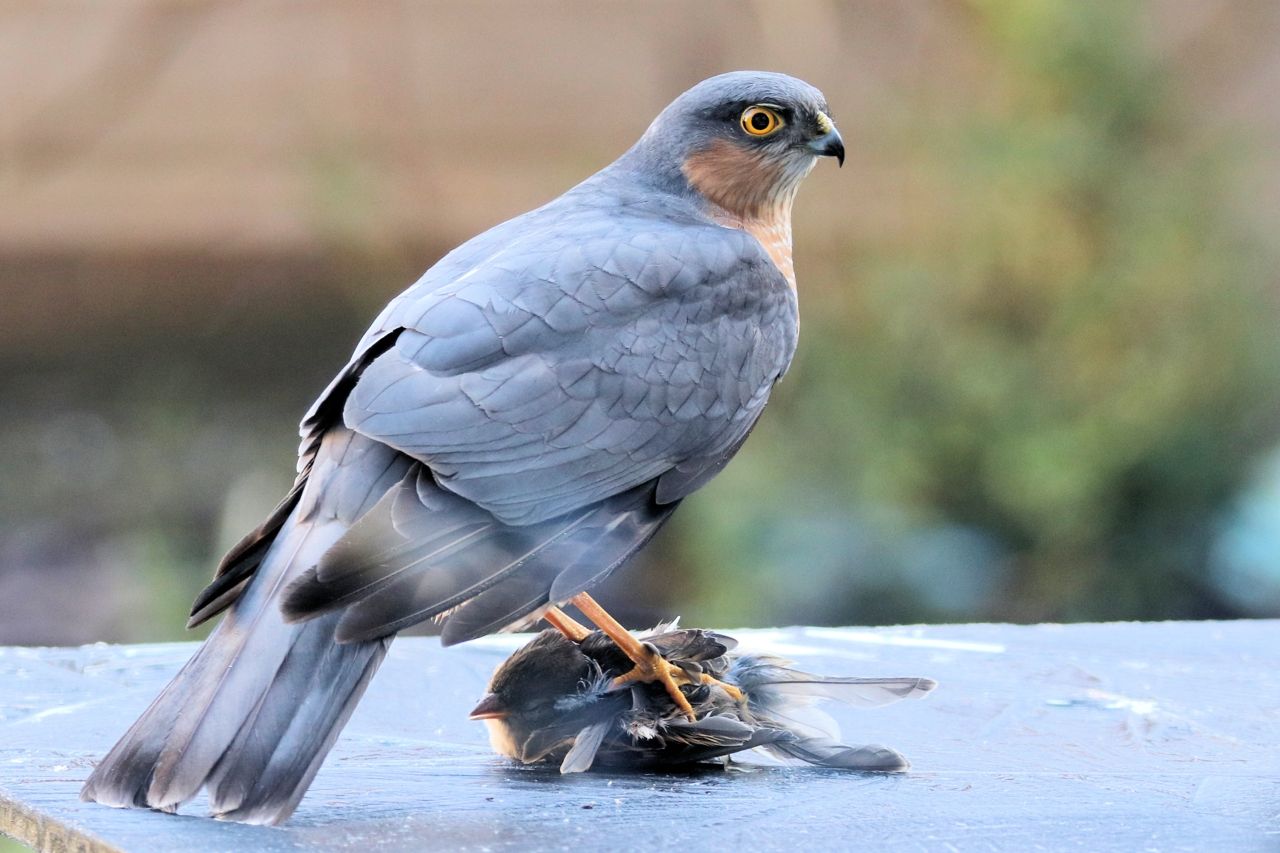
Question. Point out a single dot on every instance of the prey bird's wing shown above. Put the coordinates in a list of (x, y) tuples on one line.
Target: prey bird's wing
[(857, 692), (585, 746), (597, 351), (690, 644), (770, 680), (825, 752)]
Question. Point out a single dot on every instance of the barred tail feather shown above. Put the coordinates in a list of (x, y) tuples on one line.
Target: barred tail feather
[(254, 712)]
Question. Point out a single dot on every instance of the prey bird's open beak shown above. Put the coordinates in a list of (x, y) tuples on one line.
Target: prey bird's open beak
[(490, 708), (829, 144)]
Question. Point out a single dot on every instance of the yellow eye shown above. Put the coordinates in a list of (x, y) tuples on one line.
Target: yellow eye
[(760, 121)]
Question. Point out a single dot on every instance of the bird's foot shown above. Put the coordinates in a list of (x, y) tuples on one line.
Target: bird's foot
[(735, 693), (651, 667)]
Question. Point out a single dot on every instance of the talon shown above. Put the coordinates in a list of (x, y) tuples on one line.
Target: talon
[(649, 665), (655, 668), (735, 693)]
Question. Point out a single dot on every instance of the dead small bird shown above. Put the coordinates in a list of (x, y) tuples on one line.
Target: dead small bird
[(560, 699)]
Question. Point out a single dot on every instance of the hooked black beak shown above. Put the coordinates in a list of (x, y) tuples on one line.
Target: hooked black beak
[(829, 145), (490, 708)]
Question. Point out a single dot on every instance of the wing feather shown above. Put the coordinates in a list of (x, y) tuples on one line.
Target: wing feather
[(421, 552), (615, 351)]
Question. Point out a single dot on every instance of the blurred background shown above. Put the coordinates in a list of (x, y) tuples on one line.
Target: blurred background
[(1039, 374)]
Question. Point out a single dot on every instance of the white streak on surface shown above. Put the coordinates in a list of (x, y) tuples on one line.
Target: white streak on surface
[(879, 639)]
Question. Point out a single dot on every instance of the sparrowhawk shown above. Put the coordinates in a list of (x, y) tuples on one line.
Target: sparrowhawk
[(511, 429)]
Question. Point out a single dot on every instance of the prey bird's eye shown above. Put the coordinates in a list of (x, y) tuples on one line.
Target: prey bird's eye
[(761, 121)]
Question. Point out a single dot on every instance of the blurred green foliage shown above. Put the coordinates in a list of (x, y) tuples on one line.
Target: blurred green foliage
[(1034, 400)]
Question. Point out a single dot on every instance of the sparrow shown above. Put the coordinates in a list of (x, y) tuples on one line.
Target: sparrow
[(557, 700)]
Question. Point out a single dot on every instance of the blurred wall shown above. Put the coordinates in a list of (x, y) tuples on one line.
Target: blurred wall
[(1037, 376)]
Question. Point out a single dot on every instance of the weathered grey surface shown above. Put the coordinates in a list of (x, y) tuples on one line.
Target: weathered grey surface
[(1084, 737)]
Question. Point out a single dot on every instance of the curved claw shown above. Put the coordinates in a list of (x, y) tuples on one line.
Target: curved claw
[(656, 669), (735, 693)]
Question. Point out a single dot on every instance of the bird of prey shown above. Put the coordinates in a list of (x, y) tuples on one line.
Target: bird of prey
[(556, 700), (509, 431)]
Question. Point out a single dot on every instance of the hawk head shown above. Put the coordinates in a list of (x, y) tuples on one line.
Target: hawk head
[(741, 142)]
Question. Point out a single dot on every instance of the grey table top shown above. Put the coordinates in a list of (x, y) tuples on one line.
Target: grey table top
[(1162, 736)]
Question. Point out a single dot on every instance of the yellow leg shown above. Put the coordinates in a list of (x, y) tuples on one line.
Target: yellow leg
[(649, 665), (566, 624), (736, 694)]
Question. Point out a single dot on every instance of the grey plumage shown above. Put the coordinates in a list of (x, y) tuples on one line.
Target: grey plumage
[(554, 701), (252, 714), (591, 357), (422, 552), (510, 430)]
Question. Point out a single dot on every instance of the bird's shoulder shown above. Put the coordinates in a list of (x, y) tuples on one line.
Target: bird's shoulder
[(604, 244)]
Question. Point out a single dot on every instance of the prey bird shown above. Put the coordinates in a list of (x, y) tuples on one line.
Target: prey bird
[(557, 700), (508, 432)]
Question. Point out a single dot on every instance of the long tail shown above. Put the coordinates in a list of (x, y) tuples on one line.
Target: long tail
[(255, 711), (367, 546)]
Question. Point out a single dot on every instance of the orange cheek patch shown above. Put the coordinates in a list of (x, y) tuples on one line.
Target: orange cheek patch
[(735, 178), (746, 189)]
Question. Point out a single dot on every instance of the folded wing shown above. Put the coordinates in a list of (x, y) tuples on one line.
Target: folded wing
[(423, 553)]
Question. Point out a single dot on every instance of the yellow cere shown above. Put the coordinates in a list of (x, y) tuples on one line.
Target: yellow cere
[(824, 122)]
